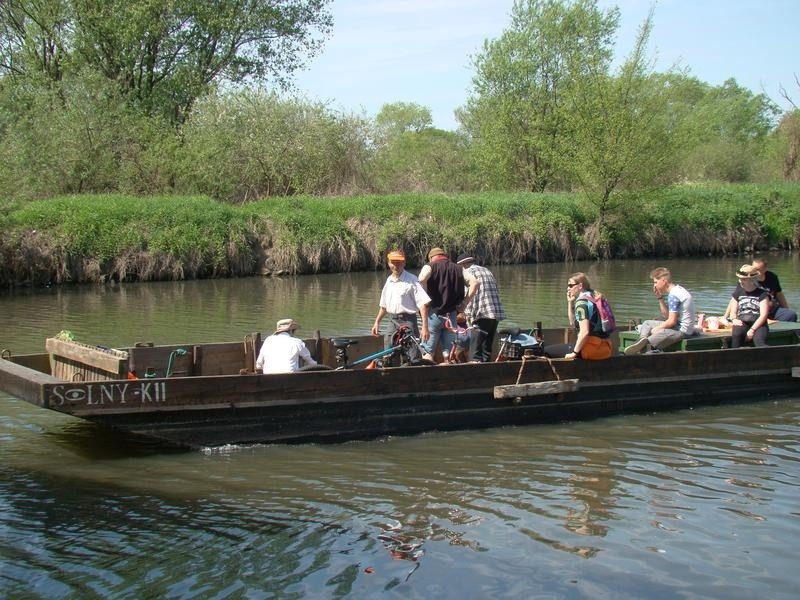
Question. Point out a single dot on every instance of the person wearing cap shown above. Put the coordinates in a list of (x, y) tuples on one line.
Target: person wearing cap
[(444, 282), (401, 297), (750, 309), (677, 309), (482, 305), (281, 352), (778, 308)]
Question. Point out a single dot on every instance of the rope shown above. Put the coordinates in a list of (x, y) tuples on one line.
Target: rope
[(549, 363), (6, 354), (552, 367), (521, 367)]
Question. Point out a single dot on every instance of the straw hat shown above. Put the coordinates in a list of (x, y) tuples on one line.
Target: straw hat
[(286, 325), (747, 272)]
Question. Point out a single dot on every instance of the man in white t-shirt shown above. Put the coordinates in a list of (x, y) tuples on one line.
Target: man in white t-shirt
[(281, 352), (677, 308), (401, 297)]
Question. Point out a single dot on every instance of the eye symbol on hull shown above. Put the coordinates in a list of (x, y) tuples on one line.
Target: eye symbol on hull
[(75, 395)]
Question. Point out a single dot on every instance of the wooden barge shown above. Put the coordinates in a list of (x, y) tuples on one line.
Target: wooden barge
[(201, 395)]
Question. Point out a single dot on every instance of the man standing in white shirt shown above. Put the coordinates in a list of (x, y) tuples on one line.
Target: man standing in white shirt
[(402, 296), (281, 352)]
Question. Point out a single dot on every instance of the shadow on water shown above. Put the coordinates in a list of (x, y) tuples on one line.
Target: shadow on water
[(95, 442)]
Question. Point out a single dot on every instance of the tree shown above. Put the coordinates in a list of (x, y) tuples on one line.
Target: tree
[(162, 55), (412, 155), (724, 131), (621, 130), (248, 144), (396, 118), (516, 112)]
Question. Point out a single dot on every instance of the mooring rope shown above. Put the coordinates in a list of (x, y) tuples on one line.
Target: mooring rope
[(6, 354), (549, 363), (521, 367)]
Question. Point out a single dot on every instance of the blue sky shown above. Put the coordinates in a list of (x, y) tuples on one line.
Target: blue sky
[(419, 51)]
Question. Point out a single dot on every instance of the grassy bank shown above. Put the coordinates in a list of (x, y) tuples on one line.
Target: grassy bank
[(98, 238)]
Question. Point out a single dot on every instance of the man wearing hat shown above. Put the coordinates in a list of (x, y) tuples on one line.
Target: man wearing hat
[(281, 352), (401, 297), (482, 305), (444, 282), (677, 307), (750, 304)]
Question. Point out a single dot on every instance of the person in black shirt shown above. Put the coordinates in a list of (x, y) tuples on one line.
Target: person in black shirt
[(779, 308), (444, 282)]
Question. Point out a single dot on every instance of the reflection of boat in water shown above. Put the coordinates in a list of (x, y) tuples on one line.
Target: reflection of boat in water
[(197, 394)]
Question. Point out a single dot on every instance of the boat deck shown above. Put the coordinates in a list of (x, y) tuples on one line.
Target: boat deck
[(780, 334)]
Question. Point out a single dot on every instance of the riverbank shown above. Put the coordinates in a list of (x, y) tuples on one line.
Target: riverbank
[(96, 238)]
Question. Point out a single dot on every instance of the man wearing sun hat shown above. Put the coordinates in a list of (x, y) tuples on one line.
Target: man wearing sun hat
[(281, 352), (750, 309), (677, 309), (401, 297)]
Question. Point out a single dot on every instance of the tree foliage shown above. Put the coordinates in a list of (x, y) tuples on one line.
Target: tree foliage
[(516, 112), (162, 55), (724, 130), (249, 144), (410, 154), (619, 130)]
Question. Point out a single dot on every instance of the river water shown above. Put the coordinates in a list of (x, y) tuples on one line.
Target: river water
[(693, 504)]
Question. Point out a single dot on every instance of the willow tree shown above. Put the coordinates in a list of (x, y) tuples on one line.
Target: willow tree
[(516, 113)]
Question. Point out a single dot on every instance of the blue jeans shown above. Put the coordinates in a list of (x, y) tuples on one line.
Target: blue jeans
[(438, 333), (785, 314)]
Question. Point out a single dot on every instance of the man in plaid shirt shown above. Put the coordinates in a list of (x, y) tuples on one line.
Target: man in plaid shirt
[(482, 305)]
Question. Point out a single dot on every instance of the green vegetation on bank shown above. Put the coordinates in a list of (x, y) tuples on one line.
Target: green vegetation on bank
[(110, 237)]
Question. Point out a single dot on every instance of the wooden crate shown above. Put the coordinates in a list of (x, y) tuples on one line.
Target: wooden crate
[(74, 361)]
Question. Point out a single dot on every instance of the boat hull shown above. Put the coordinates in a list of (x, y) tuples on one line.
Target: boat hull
[(357, 404)]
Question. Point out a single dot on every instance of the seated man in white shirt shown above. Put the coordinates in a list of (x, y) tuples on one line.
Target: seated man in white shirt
[(281, 352)]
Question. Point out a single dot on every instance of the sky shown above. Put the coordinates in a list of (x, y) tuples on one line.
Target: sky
[(420, 51)]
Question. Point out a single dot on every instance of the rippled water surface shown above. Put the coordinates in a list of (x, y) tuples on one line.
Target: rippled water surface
[(691, 504)]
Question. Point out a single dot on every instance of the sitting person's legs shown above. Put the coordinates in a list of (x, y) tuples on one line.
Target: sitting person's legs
[(664, 338), (785, 314)]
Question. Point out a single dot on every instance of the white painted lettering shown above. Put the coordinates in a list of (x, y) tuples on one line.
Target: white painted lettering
[(56, 392), (145, 392)]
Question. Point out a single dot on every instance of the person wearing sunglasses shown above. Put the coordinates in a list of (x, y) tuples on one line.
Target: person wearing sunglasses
[(592, 342)]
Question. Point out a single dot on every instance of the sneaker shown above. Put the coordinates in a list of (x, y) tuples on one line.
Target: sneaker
[(636, 347), (654, 351)]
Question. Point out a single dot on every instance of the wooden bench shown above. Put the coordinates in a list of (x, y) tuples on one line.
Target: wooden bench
[(780, 334)]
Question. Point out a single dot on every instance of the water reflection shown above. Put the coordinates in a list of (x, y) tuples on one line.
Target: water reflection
[(699, 503), (644, 502)]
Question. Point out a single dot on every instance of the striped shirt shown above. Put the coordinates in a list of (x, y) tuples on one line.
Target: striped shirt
[(486, 302)]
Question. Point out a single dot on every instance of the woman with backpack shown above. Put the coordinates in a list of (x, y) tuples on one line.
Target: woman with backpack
[(583, 308)]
